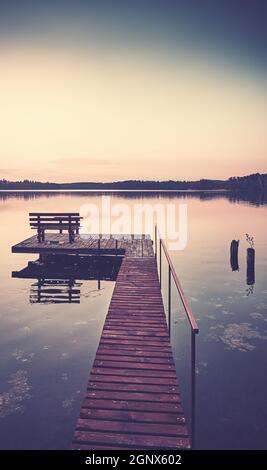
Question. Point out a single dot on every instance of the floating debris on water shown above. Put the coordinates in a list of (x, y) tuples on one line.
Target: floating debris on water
[(22, 356), (202, 368), (258, 316), (236, 336), (11, 400), (64, 355)]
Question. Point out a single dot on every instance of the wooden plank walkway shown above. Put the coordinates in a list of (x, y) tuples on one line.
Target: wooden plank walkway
[(133, 399)]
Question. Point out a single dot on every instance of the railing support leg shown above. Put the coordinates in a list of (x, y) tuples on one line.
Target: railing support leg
[(156, 243), (193, 387), (160, 263), (169, 301)]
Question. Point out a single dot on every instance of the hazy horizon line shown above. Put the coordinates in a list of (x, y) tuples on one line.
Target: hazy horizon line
[(133, 180)]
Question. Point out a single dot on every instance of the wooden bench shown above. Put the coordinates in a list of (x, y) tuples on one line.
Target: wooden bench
[(42, 221)]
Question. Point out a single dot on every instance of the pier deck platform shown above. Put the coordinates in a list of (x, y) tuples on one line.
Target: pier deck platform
[(57, 243)]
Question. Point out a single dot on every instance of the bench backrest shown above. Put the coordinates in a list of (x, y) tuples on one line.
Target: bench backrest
[(38, 219)]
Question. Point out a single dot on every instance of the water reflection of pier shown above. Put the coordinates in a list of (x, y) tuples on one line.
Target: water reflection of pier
[(58, 277)]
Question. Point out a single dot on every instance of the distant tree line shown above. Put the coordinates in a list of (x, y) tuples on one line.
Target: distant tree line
[(255, 182), (26, 184)]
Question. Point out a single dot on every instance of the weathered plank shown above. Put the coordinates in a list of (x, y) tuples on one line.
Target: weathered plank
[(131, 441), (90, 424), (132, 416), (132, 405)]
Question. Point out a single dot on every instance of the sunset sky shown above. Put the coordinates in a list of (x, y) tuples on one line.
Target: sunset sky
[(101, 90)]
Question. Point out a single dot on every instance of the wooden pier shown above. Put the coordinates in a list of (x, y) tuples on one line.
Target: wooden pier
[(132, 399)]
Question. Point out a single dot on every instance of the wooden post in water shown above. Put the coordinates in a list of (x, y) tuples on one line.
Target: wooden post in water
[(234, 255), (250, 266)]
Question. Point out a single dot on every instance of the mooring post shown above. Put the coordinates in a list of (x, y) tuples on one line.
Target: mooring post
[(234, 255), (250, 266)]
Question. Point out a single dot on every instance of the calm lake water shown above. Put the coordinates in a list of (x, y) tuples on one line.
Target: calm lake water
[(47, 349)]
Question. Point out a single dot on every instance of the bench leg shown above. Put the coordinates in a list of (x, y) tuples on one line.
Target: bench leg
[(43, 236), (39, 236)]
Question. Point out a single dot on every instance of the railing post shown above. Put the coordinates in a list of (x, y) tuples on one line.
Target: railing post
[(193, 386), (160, 263), (156, 243), (169, 300)]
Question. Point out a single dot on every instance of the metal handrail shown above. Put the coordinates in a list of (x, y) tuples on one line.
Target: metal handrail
[(190, 316), (188, 311), (187, 308)]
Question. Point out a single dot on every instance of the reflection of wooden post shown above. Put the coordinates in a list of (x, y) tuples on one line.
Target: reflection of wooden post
[(234, 255), (250, 266), (39, 288)]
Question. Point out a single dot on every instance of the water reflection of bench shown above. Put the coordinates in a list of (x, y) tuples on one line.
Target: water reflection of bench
[(56, 291)]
